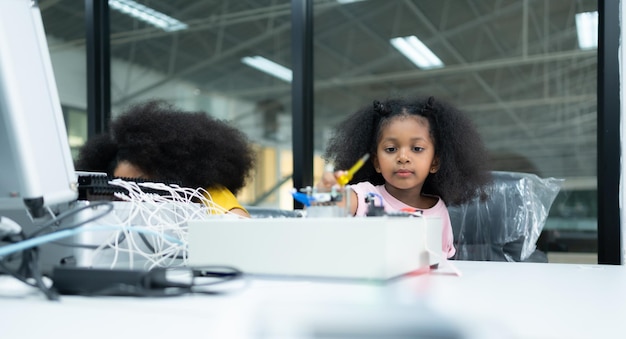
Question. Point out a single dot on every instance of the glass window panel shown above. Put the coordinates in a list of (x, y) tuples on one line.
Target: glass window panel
[(200, 68), (64, 23), (515, 67), (196, 68), (76, 125)]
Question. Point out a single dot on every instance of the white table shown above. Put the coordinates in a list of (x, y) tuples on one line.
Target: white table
[(488, 300), (532, 300)]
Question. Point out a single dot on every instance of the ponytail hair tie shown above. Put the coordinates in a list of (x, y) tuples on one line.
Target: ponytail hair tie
[(380, 108), (429, 106)]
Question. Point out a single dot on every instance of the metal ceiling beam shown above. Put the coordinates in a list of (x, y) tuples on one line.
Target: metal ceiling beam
[(198, 66), (516, 104), (227, 19), (488, 90), (451, 70)]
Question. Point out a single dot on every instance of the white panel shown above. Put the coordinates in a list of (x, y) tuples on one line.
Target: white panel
[(35, 158), (356, 248)]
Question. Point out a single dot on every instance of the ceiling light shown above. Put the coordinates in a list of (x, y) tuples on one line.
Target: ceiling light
[(417, 52), (587, 30), (343, 2), (268, 67), (147, 14)]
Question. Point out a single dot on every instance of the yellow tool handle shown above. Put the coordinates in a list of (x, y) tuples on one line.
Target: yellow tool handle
[(346, 177)]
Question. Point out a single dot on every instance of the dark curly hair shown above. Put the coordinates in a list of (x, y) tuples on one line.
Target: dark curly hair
[(172, 145), (463, 158)]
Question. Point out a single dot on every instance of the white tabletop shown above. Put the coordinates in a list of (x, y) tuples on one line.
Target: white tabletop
[(531, 300), (487, 299)]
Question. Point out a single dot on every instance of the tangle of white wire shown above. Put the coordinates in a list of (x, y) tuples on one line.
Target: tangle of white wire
[(164, 215)]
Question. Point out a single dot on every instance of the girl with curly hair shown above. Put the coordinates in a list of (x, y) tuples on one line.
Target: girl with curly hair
[(424, 154), (154, 140)]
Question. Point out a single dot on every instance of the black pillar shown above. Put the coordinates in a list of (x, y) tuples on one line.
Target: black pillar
[(302, 92), (98, 66), (609, 149)]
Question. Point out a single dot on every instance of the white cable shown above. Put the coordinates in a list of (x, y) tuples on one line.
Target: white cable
[(64, 233), (164, 214)]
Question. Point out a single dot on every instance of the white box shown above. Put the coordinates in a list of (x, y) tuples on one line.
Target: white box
[(333, 247)]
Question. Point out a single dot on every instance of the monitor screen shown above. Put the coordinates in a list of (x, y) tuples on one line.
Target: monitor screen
[(36, 165)]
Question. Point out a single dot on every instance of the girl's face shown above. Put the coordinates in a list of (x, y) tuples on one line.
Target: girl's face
[(125, 169), (405, 154)]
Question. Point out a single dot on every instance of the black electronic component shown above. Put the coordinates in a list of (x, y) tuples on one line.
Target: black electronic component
[(372, 209), (97, 186), (157, 282), (91, 281)]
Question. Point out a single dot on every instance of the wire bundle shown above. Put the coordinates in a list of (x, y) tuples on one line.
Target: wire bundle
[(162, 219), (148, 226)]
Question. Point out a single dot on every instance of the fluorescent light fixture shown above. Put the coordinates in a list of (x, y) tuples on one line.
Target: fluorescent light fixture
[(269, 67), (343, 2), (587, 30), (147, 14), (417, 52)]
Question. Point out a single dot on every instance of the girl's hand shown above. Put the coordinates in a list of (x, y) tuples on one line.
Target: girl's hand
[(329, 179)]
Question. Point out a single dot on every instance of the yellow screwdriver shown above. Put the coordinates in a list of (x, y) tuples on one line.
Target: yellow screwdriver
[(346, 177)]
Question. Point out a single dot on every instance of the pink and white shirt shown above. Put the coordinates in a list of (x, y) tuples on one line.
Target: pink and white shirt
[(392, 204)]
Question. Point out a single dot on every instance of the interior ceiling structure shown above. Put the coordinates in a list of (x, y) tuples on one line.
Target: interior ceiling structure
[(513, 65)]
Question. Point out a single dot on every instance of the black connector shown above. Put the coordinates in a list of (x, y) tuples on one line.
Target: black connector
[(372, 209), (97, 187), (90, 281)]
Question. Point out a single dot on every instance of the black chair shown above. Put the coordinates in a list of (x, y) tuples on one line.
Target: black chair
[(507, 225)]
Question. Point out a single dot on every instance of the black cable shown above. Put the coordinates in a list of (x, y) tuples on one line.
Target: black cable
[(151, 248), (120, 239), (139, 291), (72, 212), (29, 265), (35, 272), (21, 271), (147, 242), (154, 283), (225, 272), (17, 273), (29, 268)]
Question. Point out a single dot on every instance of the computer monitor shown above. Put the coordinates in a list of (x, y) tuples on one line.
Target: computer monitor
[(36, 165)]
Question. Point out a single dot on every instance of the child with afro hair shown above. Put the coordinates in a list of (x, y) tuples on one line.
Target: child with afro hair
[(424, 154), (157, 141)]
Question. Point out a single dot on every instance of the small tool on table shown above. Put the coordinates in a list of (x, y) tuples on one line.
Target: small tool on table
[(346, 177)]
